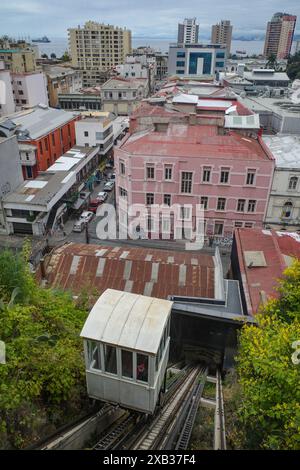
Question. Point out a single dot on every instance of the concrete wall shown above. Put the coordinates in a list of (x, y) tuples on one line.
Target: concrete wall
[(11, 170), (7, 104), (280, 194), (33, 88)]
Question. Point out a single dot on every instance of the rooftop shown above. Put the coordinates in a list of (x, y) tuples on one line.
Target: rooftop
[(118, 83), (183, 140), (43, 190), (128, 320), (263, 255), (36, 122), (282, 106), (56, 71), (262, 74), (155, 273), (286, 150)]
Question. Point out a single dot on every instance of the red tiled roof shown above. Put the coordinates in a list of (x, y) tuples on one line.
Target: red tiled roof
[(156, 273), (274, 246), (183, 140), (146, 109)]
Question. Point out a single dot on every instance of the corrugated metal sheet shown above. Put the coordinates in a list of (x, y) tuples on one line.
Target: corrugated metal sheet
[(128, 320), (158, 273)]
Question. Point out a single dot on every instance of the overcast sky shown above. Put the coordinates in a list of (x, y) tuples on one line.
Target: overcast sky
[(149, 18)]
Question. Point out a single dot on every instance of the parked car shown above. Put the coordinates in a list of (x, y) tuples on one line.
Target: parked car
[(79, 225), (94, 204), (112, 176), (109, 186), (102, 196), (86, 216)]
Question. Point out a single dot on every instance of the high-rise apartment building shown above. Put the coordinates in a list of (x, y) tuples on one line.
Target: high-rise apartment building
[(221, 33), (280, 34), (96, 48), (188, 31)]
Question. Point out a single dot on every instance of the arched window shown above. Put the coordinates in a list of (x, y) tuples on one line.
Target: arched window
[(287, 210), (293, 182)]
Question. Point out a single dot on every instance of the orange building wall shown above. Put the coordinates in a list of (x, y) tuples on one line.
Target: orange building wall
[(49, 150)]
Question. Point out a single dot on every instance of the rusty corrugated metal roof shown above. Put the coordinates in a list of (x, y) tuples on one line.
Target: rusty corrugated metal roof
[(155, 273)]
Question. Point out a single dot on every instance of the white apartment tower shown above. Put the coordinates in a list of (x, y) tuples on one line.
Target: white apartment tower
[(221, 33), (188, 31), (97, 48)]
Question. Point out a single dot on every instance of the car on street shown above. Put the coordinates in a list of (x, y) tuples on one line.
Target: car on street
[(102, 196), (109, 186), (79, 225), (112, 176), (86, 216), (94, 204)]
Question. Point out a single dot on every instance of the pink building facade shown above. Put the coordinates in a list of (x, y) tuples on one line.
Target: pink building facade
[(228, 172)]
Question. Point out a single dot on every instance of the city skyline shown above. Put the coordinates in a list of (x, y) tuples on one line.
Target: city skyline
[(22, 17)]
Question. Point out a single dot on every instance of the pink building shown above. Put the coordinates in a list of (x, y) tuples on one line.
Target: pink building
[(228, 171)]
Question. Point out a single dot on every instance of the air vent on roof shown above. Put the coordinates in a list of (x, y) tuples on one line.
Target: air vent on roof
[(42, 106)]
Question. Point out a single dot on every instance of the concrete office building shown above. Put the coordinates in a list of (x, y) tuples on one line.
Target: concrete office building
[(188, 31), (196, 59), (21, 90), (86, 99), (284, 202), (279, 35), (18, 60), (61, 80), (95, 130), (11, 171), (121, 96), (96, 48), (221, 33), (7, 103)]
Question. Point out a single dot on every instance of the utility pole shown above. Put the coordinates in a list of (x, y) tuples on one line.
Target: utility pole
[(87, 235)]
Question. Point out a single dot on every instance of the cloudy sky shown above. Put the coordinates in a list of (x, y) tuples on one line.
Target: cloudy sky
[(148, 18)]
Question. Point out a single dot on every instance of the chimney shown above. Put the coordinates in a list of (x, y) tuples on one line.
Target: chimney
[(193, 119), (132, 125)]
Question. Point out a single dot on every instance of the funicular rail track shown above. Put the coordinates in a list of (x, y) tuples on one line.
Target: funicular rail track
[(220, 435), (160, 433)]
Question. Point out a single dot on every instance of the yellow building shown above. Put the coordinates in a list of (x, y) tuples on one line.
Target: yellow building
[(18, 60), (96, 48)]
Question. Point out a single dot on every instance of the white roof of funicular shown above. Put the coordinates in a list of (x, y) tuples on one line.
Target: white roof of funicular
[(128, 320)]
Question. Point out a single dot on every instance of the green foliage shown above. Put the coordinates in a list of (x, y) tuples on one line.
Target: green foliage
[(270, 382), (293, 67), (44, 368), (15, 273), (65, 57)]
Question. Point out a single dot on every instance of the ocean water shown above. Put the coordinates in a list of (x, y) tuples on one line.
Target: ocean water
[(59, 45)]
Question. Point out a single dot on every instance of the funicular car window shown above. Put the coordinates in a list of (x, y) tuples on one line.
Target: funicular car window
[(127, 363), (110, 358), (142, 367)]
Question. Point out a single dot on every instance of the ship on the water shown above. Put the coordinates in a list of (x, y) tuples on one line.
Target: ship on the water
[(43, 39)]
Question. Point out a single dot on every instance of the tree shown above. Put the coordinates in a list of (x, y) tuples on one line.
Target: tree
[(44, 56), (43, 378), (53, 56), (270, 406), (65, 57), (293, 66), (272, 61)]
